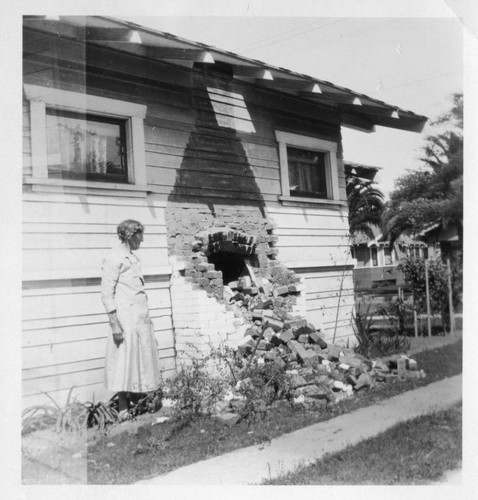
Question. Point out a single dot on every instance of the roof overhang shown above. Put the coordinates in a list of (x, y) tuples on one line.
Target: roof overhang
[(356, 110)]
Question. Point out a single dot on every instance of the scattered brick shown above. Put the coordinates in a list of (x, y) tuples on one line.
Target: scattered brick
[(276, 324), (315, 392), (297, 349), (281, 290), (286, 336), (333, 352), (317, 339)]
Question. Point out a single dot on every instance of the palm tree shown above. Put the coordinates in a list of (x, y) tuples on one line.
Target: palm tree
[(366, 205)]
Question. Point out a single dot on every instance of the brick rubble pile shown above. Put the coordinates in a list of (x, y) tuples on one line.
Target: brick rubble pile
[(320, 372)]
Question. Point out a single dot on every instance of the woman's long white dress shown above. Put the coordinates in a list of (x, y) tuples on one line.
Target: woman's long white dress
[(133, 365)]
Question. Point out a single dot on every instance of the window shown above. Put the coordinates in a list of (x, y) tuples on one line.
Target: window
[(85, 147), (83, 140), (308, 169), (387, 256), (307, 173), (374, 256)]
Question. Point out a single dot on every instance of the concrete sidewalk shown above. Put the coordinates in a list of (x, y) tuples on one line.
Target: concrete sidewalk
[(283, 454)]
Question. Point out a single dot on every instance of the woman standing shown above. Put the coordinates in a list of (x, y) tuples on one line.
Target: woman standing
[(131, 365)]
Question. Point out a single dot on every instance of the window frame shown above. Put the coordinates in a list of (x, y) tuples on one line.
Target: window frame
[(329, 148), (43, 98)]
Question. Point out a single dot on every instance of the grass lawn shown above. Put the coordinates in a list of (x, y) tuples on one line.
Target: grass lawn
[(413, 452), (126, 458)]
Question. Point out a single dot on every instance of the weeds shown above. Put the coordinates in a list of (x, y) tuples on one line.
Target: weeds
[(72, 418), (376, 343)]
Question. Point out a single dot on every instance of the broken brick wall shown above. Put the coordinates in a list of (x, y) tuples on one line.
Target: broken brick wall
[(215, 212)]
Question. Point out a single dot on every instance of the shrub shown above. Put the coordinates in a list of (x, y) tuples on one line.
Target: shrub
[(414, 271), (194, 390), (373, 343)]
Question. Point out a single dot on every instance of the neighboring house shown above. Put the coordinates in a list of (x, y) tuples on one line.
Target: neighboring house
[(218, 155), (446, 237), (376, 260)]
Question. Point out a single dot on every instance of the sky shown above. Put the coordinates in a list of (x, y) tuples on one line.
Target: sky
[(413, 63)]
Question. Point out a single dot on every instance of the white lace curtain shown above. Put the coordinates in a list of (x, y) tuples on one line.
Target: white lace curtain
[(79, 145)]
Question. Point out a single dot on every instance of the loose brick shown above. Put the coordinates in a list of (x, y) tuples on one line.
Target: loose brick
[(297, 381), (297, 349), (257, 314), (286, 336), (315, 392), (268, 333), (333, 352), (264, 345), (274, 323), (297, 324), (281, 290), (264, 303), (303, 339), (351, 361), (317, 339)]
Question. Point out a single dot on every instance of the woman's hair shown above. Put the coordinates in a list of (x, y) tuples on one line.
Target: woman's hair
[(127, 228)]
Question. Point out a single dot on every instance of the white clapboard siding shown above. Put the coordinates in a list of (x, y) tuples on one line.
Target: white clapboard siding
[(158, 163), (77, 304), (304, 218), (85, 229), (65, 209), (84, 261), (73, 379), (222, 181), (84, 241), (322, 256), (48, 336)]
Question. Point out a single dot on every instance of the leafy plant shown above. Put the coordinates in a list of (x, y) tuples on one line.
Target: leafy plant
[(362, 323), (374, 343), (71, 418), (194, 389), (398, 315), (101, 414), (415, 277)]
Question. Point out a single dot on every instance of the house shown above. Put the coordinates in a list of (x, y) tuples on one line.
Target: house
[(231, 164), (376, 260)]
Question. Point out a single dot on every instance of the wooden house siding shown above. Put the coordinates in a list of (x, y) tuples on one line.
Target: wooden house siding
[(64, 323), (66, 235)]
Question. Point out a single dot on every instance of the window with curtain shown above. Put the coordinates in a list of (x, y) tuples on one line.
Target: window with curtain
[(82, 146), (307, 173)]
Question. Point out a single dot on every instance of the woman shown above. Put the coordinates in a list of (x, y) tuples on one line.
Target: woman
[(131, 365)]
